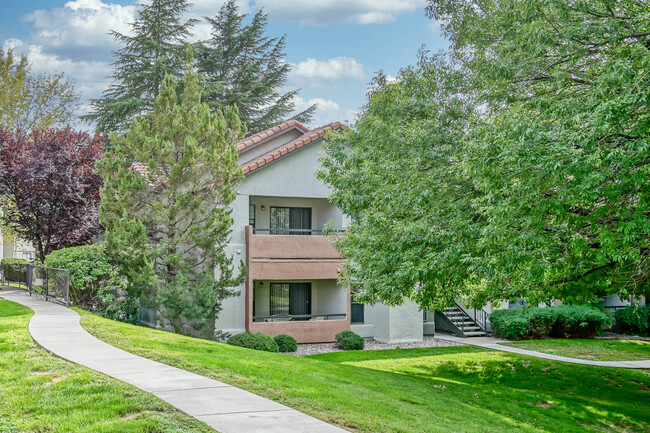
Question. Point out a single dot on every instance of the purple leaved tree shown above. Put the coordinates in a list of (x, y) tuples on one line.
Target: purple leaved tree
[(49, 192)]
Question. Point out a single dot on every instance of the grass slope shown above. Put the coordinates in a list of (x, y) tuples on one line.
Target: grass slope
[(42, 393), (451, 389), (600, 350)]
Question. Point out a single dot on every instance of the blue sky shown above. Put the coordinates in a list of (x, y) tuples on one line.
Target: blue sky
[(335, 46)]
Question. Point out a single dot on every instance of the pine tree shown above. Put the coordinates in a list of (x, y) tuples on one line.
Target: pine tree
[(157, 48), (246, 69), (167, 218)]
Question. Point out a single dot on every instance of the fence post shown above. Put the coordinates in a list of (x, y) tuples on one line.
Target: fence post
[(47, 283), (29, 273), (67, 289)]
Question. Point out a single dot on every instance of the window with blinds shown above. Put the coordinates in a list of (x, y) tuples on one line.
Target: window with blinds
[(290, 220), (290, 298)]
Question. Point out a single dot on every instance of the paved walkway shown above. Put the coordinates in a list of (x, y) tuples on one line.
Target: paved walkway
[(494, 344), (223, 407)]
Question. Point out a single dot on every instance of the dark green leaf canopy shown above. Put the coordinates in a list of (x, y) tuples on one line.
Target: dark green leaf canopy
[(157, 48), (537, 188), (246, 69)]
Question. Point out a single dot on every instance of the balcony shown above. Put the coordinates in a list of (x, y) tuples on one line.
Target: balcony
[(305, 262), (291, 256)]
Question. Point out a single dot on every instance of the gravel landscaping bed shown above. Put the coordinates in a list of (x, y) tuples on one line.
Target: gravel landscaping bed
[(371, 344)]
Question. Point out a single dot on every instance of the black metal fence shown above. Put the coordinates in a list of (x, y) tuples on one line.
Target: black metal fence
[(51, 283)]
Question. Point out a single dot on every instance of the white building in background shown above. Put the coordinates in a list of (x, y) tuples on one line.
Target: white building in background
[(16, 249)]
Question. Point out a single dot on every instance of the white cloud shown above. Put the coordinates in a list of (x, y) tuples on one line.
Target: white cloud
[(337, 68), (435, 27), (323, 12), (89, 76), (327, 111), (80, 29)]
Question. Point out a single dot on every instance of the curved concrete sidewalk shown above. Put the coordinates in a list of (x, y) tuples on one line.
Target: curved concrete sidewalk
[(223, 407), (495, 344)]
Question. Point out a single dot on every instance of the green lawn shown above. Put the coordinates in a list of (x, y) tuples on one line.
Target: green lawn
[(42, 393), (451, 389), (600, 350)]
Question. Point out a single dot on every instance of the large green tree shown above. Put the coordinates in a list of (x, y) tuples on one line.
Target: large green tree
[(158, 47), (556, 156), (246, 68), (33, 101), (167, 217)]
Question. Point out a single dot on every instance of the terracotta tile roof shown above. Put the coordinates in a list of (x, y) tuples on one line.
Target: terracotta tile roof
[(254, 139), (309, 136), (143, 170), (289, 147)]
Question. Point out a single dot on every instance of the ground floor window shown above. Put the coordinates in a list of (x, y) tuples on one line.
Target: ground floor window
[(290, 298), (357, 312)]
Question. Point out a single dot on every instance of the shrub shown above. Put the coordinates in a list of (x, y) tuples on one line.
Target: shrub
[(14, 273), (633, 319), (13, 261), (562, 321), (257, 341), (95, 283), (579, 321), (349, 340), (286, 343)]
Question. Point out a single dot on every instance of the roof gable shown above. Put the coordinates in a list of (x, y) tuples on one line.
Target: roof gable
[(255, 139), (291, 146)]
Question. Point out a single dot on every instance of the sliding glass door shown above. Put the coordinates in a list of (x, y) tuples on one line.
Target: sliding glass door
[(291, 298), (290, 220)]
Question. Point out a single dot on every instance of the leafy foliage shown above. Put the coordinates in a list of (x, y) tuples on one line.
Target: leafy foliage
[(350, 340), (562, 321), (48, 187), (168, 224), (13, 261), (413, 222), (286, 343), (633, 319), (256, 341), (246, 69), (95, 283), (521, 173), (33, 101), (156, 49)]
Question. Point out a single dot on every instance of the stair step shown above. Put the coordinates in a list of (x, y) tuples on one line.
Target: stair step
[(474, 334)]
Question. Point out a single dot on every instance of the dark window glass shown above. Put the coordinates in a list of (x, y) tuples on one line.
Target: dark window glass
[(357, 312), (291, 298), (251, 215), (290, 220), (279, 298)]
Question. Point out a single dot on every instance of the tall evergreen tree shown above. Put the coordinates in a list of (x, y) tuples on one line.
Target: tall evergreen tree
[(157, 48), (246, 68), (167, 218)]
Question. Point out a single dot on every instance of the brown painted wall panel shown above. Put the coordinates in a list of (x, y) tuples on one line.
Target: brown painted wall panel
[(317, 331), (294, 270), (292, 247)]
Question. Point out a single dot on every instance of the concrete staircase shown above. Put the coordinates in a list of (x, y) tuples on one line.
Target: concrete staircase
[(465, 325)]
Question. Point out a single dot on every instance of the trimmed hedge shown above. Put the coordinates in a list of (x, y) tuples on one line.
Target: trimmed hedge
[(349, 340), (257, 341), (286, 343), (95, 283), (561, 321), (13, 261), (633, 319)]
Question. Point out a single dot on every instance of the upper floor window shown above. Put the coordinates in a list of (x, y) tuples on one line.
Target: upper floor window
[(290, 220), (251, 215)]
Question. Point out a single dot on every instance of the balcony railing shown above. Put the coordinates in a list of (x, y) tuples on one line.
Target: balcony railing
[(321, 232), (298, 317)]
